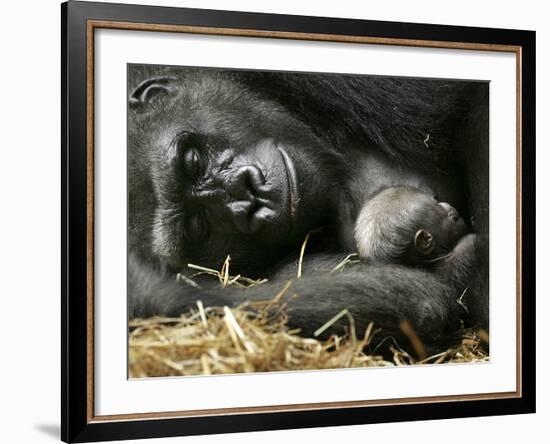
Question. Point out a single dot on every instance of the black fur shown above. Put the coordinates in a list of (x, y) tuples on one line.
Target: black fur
[(353, 135)]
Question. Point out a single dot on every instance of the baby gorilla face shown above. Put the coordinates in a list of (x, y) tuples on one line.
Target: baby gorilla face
[(440, 226), (406, 225)]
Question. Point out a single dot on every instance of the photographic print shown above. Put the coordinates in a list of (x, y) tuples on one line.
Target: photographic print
[(276, 221), (282, 221)]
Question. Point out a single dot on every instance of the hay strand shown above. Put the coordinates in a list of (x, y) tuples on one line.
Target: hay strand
[(301, 258)]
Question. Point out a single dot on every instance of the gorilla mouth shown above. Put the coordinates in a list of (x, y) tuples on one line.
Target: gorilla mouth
[(292, 182)]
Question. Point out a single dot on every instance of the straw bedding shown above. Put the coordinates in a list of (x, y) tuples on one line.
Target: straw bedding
[(255, 337)]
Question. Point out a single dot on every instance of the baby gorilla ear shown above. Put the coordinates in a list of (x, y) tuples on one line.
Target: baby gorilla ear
[(424, 242), (151, 91)]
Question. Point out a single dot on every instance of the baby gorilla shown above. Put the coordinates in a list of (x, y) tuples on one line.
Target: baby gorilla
[(405, 225)]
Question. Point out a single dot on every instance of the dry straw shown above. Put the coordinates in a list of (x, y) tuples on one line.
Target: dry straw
[(255, 337)]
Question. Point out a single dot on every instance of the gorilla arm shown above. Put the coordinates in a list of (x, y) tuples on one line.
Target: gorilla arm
[(370, 293), (460, 265)]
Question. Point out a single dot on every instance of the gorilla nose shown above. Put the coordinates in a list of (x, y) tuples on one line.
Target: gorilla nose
[(247, 205), (245, 182)]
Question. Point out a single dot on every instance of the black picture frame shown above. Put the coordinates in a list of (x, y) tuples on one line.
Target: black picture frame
[(78, 423)]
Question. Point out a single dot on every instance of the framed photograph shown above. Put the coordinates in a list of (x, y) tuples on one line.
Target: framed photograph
[(276, 221)]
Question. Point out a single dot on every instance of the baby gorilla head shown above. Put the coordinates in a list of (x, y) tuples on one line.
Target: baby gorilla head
[(406, 225)]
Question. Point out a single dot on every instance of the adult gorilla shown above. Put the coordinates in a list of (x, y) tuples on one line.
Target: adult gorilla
[(247, 163)]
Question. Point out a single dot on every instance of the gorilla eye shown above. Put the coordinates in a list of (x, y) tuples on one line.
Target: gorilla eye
[(188, 155), (191, 163)]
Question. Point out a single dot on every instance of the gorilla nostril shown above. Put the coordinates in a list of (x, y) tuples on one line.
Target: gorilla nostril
[(256, 178), (246, 182)]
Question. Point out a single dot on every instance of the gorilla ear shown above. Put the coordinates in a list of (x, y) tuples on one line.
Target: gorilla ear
[(424, 242), (151, 91)]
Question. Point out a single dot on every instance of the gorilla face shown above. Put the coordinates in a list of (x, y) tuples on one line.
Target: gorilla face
[(249, 193)]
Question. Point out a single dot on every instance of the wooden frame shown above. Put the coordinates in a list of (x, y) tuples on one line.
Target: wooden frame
[(79, 21)]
